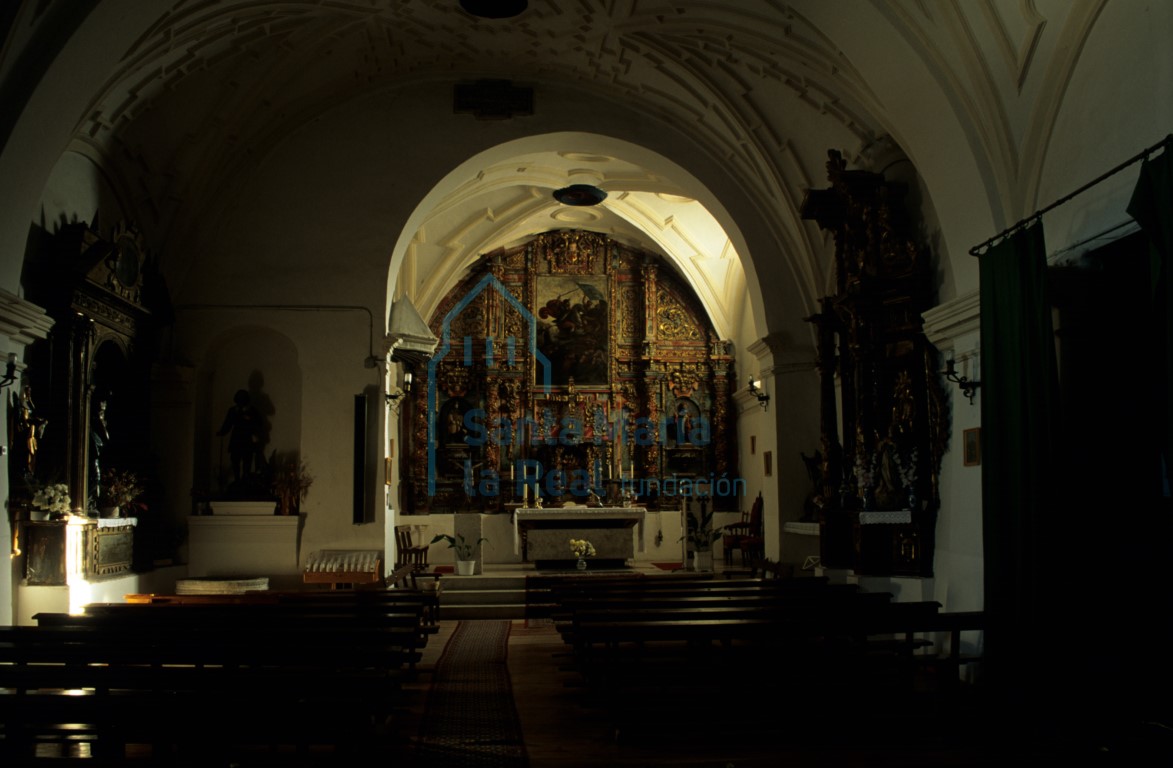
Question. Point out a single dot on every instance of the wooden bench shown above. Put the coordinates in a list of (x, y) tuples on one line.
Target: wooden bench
[(212, 676), (153, 691), (653, 645), (398, 625), (408, 578)]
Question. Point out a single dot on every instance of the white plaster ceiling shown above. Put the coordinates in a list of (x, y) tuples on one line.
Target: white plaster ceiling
[(212, 85), (767, 87), (513, 199)]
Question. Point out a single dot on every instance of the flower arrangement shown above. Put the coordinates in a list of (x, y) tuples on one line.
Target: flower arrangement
[(864, 472), (907, 470), (54, 499), (291, 484), (582, 548), (121, 488)]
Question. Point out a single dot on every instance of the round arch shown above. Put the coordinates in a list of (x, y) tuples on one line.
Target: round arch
[(651, 198)]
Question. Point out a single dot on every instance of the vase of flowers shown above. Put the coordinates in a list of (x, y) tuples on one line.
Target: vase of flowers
[(120, 494), (291, 484), (582, 549), (907, 470), (51, 501)]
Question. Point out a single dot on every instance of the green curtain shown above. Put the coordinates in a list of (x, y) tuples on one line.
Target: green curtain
[(1021, 514), (1150, 527), (1152, 207)]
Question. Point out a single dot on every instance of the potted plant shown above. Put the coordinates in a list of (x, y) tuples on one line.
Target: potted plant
[(466, 558), (701, 536)]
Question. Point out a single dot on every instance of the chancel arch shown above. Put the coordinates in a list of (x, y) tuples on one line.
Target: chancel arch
[(502, 195)]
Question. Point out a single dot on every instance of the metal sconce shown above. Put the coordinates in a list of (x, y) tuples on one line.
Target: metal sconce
[(762, 397), (395, 399), (968, 388)]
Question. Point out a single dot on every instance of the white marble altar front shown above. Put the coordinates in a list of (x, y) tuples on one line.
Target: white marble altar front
[(615, 532)]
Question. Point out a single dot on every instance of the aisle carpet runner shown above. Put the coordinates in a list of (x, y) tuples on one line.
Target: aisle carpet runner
[(470, 718)]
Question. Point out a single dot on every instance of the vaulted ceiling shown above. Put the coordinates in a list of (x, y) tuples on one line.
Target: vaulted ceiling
[(206, 89)]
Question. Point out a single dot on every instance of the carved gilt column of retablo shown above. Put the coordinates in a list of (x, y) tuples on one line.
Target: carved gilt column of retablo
[(626, 340), (496, 354), (516, 362), (649, 454)]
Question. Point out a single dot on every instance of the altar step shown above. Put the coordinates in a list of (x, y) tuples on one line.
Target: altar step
[(482, 597)]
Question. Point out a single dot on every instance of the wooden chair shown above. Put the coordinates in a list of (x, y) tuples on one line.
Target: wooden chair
[(746, 535), (408, 553)]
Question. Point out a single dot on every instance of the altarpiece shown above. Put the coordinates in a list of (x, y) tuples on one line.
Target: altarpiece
[(573, 366)]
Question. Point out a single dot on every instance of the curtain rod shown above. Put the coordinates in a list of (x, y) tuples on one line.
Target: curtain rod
[(978, 249)]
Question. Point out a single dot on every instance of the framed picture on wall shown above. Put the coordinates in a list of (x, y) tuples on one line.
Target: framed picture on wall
[(768, 460), (971, 441)]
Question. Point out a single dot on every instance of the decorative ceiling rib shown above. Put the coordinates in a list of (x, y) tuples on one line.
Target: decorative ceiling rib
[(236, 76)]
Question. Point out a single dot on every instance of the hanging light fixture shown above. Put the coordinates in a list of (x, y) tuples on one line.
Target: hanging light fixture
[(580, 194), (494, 9)]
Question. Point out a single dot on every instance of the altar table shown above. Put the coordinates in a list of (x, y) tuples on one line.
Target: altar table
[(547, 532)]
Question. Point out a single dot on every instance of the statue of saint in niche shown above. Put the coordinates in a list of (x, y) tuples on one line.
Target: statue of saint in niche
[(245, 428), (99, 438)]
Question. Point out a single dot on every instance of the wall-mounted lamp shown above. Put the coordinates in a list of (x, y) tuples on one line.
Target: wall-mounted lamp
[(968, 388), (395, 399), (762, 397)]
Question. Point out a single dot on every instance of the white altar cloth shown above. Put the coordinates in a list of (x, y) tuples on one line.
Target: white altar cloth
[(526, 514)]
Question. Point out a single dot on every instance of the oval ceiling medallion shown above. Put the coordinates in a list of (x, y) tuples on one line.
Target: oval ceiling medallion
[(580, 194), (575, 215)]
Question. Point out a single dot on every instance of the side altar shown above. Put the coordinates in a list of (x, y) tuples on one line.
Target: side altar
[(543, 535)]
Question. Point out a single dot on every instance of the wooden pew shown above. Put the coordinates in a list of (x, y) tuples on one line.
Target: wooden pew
[(653, 645), (206, 693), (408, 578), (271, 673), (397, 631)]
